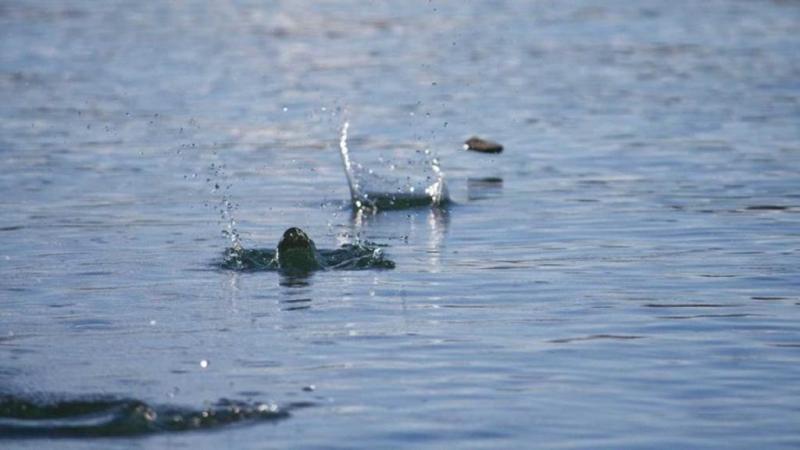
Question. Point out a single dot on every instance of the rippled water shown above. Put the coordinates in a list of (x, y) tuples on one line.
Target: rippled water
[(624, 275), (93, 417)]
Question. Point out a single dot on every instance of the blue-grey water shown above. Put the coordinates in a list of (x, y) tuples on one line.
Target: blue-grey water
[(626, 274)]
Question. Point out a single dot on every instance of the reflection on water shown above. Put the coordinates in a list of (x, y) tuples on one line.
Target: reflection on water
[(296, 304), (484, 188), (438, 223), (297, 293), (233, 290), (405, 226), (296, 280)]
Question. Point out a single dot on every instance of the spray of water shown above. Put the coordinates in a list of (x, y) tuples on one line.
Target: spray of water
[(225, 206), (355, 194), (230, 231), (438, 190), (396, 196)]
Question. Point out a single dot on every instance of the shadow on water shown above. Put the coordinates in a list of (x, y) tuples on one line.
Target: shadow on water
[(102, 416)]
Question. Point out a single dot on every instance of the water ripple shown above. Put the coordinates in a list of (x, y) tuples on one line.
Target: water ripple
[(109, 417)]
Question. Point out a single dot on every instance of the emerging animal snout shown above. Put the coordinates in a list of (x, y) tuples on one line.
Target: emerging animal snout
[(294, 238), (297, 252)]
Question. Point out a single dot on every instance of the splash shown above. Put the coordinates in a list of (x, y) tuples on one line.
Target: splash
[(102, 416), (359, 255), (225, 205), (230, 231), (399, 195), (355, 192), (438, 190)]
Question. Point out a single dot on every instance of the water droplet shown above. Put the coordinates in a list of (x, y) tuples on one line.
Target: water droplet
[(150, 415)]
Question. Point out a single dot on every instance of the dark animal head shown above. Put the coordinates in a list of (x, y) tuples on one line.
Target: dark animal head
[(297, 252)]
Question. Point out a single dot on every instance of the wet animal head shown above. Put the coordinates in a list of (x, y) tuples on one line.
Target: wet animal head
[(296, 251)]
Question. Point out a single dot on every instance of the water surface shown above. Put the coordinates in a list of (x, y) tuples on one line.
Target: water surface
[(624, 275)]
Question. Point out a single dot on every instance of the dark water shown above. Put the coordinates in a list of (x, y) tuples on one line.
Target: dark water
[(624, 275)]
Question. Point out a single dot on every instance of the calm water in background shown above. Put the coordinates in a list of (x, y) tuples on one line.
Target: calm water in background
[(633, 281)]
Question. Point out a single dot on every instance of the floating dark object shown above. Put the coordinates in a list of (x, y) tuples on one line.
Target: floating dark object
[(104, 417), (296, 254), (482, 145), (767, 208)]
